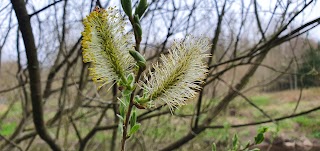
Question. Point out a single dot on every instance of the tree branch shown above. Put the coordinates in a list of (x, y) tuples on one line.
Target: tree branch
[(34, 72)]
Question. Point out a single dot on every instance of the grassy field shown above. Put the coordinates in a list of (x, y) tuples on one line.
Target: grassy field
[(276, 105), (165, 129)]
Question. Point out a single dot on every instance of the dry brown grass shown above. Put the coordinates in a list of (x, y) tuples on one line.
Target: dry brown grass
[(311, 94)]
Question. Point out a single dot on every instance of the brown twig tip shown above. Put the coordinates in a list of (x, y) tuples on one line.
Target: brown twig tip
[(139, 106)]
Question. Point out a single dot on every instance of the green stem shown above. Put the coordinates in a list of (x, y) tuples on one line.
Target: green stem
[(126, 122), (128, 114), (131, 103)]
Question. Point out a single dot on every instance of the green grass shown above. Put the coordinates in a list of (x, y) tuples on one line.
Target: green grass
[(286, 124), (15, 111), (303, 121), (102, 136), (307, 121), (306, 125), (218, 135), (162, 130), (261, 100), (316, 134), (7, 129)]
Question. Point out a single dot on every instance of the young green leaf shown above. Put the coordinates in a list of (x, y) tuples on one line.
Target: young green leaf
[(138, 30), (141, 61), (247, 145), (120, 127), (259, 138), (134, 129), (214, 147), (262, 130), (141, 8), (235, 142), (136, 19), (133, 118), (122, 108), (127, 7), (126, 92), (120, 117), (130, 79)]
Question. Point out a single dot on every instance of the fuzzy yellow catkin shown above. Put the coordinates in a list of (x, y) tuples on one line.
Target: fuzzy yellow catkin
[(180, 74), (105, 46)]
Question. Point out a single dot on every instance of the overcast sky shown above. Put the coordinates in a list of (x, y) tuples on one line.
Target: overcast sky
[(309, 15), (7, 53)]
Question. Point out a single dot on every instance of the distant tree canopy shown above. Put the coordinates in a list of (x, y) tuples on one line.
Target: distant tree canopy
[(310, 68)]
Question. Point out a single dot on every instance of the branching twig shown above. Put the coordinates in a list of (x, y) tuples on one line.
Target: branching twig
[(34, 72), (268, 121), (11, 142)]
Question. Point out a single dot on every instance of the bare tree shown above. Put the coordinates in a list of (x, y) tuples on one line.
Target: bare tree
[(53, 88)]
